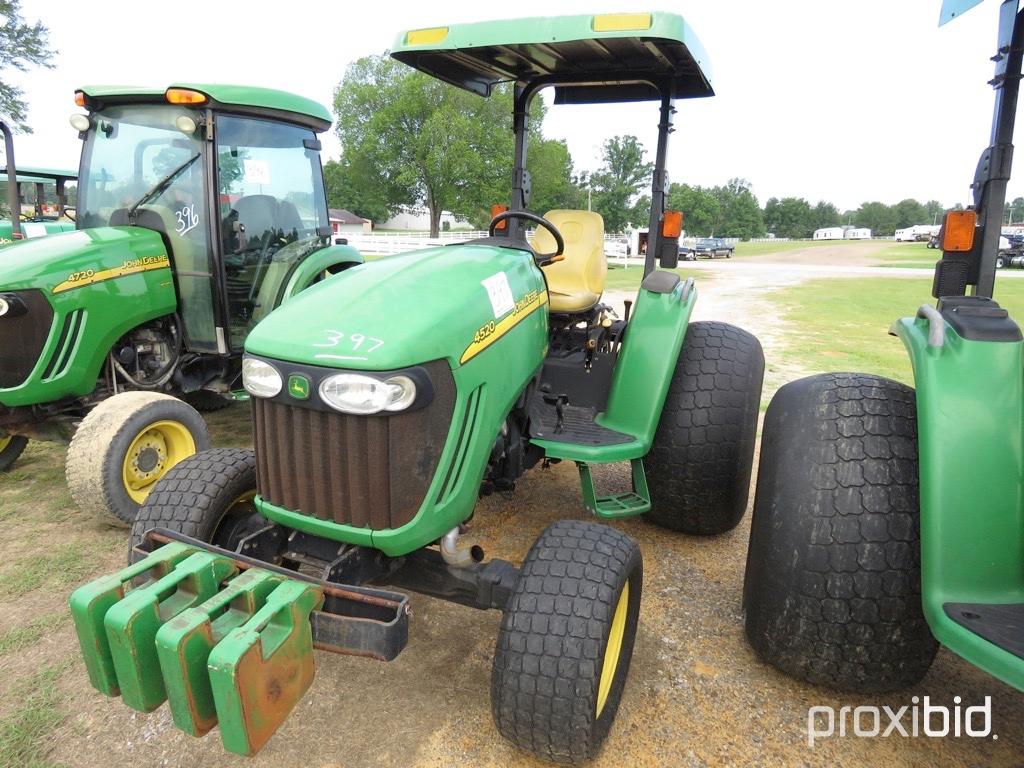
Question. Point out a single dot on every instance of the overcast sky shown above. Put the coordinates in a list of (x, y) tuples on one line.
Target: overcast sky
[(842, 100)]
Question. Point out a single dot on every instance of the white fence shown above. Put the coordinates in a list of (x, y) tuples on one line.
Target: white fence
[(388, 243)]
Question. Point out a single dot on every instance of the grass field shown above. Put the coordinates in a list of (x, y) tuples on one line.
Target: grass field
[(842, 324), (781, 246)]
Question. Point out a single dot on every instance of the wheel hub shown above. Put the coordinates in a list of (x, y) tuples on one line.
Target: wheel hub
[(147, 459)]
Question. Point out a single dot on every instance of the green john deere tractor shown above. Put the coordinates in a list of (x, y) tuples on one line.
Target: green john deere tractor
[(387, 399), (888, 520), (200, 209), (50, 210)]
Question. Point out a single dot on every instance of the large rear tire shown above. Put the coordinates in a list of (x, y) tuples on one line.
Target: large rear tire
[(699, 466), (566, 640), (11, 447), (125, 445), (208, 496), (832, 591)]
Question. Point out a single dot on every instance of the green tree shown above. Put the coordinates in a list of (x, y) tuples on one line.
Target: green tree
[(22, 45), (1017, 211), (934, 210), (741, 213), (824, 215), (355, 189), (701, 208), (789, 217), (909, 213), (620, 179), (421, 141), (878, 217)]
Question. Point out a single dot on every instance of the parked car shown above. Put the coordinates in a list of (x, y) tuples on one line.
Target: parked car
[(713, 247)]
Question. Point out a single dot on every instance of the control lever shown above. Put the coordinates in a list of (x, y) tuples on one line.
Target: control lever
[(559, 401)]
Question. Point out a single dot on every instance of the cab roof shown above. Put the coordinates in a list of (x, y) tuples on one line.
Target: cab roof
[(590, 58), (273, 103)]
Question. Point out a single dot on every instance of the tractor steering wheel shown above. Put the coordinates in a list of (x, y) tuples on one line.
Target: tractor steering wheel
[(542, 258)]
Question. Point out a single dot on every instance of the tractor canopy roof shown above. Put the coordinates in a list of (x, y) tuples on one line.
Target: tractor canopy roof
[(238, 98), (32, 174), (590, 59)]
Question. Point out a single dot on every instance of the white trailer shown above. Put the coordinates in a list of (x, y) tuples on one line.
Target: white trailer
[(829, 233), (858, 233)]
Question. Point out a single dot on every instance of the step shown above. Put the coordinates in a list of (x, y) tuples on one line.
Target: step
[(1002, 624), (635, 502)]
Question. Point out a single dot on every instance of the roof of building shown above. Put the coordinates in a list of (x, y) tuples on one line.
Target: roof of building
[(344, 217)]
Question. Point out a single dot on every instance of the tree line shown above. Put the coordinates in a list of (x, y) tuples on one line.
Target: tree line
[(411, 141)]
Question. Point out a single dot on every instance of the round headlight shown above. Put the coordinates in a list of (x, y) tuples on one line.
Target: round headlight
[(364, 395), (4, 306), (186, 124), (403, 393), (259, 378), (80, 122)]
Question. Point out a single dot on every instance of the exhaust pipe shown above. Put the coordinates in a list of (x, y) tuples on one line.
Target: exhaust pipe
[(459, 558)]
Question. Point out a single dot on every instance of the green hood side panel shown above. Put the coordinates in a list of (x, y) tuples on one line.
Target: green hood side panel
[(106, 280), (970, 422), (395, 312), (33, 229), (410, 309)]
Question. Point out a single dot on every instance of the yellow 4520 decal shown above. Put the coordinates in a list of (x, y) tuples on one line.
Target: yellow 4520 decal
[(491, 331), (86, 277)]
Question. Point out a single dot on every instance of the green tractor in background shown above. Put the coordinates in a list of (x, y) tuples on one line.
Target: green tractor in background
[(386, 400), (885, 518), (50, 210), (200, 209)]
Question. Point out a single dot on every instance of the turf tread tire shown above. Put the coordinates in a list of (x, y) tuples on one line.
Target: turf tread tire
[(832, 591), (194, 494), (96, 453), (554, 629), (700, 462)]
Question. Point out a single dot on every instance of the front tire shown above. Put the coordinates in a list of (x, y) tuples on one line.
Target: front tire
[(832, 591), (125, 445), (699, 465), (11, 447), (566, 640), (208, 496)]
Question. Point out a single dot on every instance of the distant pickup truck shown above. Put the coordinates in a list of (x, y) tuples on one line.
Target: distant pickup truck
[(708, 247)]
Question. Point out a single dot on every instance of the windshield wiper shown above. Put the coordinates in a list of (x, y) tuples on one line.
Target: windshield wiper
[(161, 186)]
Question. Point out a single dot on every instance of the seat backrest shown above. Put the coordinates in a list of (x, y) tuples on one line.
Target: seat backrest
[(258, 214), (585, 266)]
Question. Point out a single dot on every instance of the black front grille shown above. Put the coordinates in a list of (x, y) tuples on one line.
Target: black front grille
[(366, 471), (22, 338)]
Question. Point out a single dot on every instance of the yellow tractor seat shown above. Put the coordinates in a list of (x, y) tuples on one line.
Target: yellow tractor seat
[(576, 283)]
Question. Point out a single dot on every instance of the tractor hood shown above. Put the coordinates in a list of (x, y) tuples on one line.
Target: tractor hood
[(62, 263), (439, 303)]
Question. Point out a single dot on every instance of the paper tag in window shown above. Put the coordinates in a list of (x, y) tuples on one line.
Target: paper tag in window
[(256, 171), (500, 294)]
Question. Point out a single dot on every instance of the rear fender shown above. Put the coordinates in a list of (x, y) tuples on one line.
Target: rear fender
[(970, 414), (334, 258)]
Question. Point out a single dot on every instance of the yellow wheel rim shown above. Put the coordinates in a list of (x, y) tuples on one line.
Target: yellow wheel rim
[(614, 649), (5, 440), (157, 448)]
